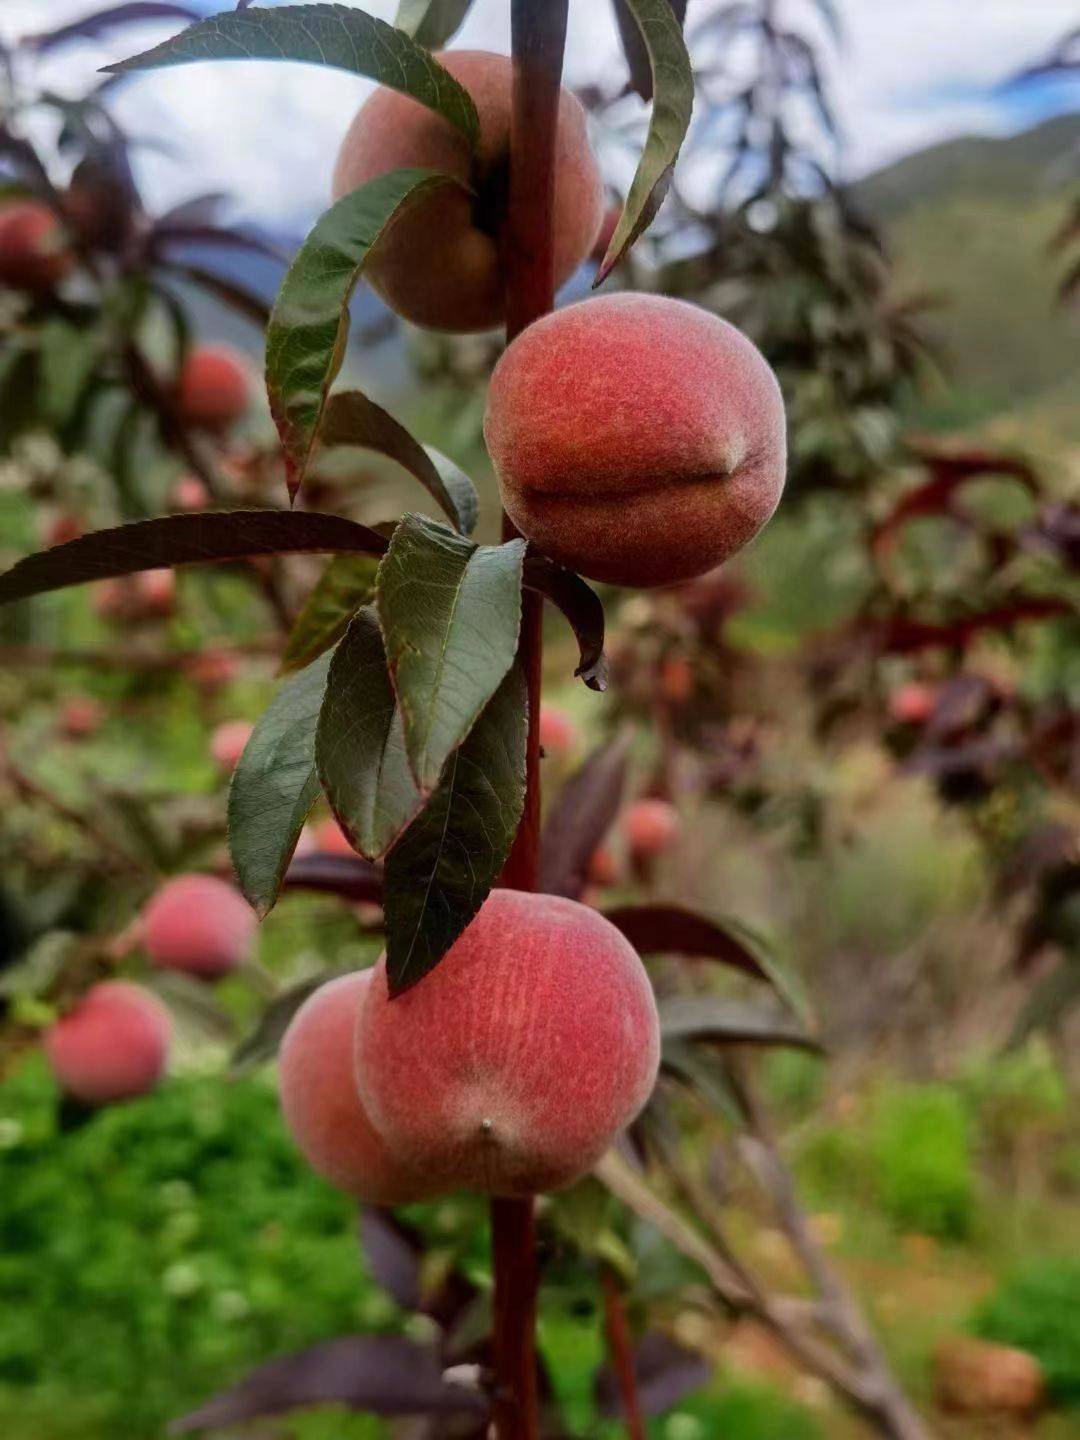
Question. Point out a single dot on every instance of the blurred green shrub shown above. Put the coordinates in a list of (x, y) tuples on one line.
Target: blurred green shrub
[(1038, 1310), (741, 1411), (922, 1153), (154, 1254)]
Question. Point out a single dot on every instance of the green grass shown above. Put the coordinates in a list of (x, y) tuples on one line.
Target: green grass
[(1037, 1309)]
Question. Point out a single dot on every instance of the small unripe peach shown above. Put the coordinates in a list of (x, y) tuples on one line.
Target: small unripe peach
[(321, 1104), (198, 924), (80, 716), (214, 390), (913, 702), (602, 869), (331, 839), (558, 733), (227, 744), (189, 493), (638, 440), (62, 529), (442, 264), (213, 668), (513, 1065), (156, 590), (650, 827), (112, 1046), (33, 254), (676, 679)]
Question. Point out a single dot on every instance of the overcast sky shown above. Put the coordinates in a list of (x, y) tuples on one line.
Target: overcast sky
[(909, 73)]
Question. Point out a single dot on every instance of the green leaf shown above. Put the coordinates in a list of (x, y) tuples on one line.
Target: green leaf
[(347, 583), (309, 325), (334, 35), (431, 22), (673, 102), (352, 419), (264, 1040), (360, 744), (441, 870), (450, 613), (274, 786), (186, 540)]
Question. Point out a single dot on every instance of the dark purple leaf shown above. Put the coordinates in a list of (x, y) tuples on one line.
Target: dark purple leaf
[(582, 608), (245, 302), (373, 1374), (186, 540), (91, 26), (262, 1044), (730, 1022), (174, 232), (901, 635), (393, 1250), (199, 210), (350, 878), (583, 813), (674, 930), (666, 1374)]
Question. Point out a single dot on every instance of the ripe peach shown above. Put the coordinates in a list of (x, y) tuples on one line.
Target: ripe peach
[(227, 744), (322, 1107), (112, 1046), (650, 827), (442, 264), (156, 591), (80, 716), (558, 733), (189, 493), (330, 839), (637, 439), (33, 254), (514, 1064), (198, 924), (214, 389), (676, 679)]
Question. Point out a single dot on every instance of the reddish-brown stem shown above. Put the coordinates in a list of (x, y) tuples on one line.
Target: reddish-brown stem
[(538, 29), (621, 1352)]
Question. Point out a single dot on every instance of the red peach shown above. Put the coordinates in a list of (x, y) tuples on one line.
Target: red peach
[(676, 679), (211, 669), (650, 827), (156, 591), (442, 264), (189, 493), (214, 389), (602, 870), (558, 733), (637, 439), (332, 840), (912, 703), (80, 716), (33, 254), (513, 1065), (322, 1107), (227, 744), (198, 924), (112, 1046), (62, 529)]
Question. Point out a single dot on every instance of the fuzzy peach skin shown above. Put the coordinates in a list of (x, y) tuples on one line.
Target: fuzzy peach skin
[(512, 1066), (638, 440), (441, 264), (33, 254), (214, 388), (198, 924), (112, 1046), (319, 1099), (650, 827)]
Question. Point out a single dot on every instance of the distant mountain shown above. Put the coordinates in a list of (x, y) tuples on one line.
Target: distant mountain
[(970, 221)]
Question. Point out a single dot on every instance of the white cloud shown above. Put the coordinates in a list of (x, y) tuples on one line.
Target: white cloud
[(909, 74)]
